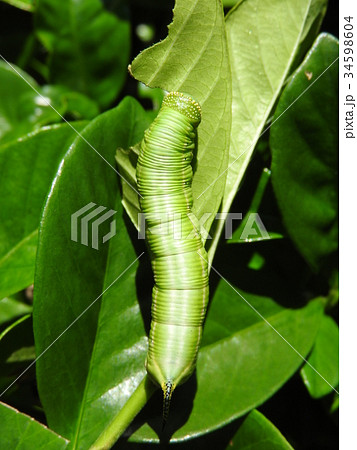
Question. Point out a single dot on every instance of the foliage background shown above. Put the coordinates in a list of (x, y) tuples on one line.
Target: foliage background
[(306, 422)]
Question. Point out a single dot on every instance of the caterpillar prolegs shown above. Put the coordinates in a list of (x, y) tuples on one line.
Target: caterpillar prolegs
[(180, 295)]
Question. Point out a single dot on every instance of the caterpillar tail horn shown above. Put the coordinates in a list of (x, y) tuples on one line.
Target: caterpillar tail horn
[(167, 388)]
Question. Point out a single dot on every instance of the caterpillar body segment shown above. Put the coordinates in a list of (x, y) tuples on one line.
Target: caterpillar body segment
[(178, 258)]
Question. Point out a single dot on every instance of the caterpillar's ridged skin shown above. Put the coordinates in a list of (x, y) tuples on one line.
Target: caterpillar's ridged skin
[(180, 294)]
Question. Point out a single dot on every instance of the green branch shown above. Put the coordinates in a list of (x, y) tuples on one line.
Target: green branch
[(126, 415)]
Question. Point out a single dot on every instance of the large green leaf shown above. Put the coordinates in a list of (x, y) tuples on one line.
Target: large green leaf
[(77, 387), (265, 37), (194, 59), (304, 144), (27, 169), (117, 361), (256, 432), (88, 46), (324, 359), (22, 432)]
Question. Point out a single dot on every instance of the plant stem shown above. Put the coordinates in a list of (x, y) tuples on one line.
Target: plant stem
[(125, 416)]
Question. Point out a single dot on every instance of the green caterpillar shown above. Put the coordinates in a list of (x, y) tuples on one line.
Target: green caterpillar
[(180, 295)]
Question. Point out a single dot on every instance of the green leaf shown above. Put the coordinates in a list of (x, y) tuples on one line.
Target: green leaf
[(304, 144), (11, 309), (22, 432), (117, 361), (25, 5), (194, 59), (88, 46), (21, 109), (25, 106), (324, 359), (27, 170), (258, 433), (264, 40), (74, 104), (80, 106), (16, 342), (79, 376)]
